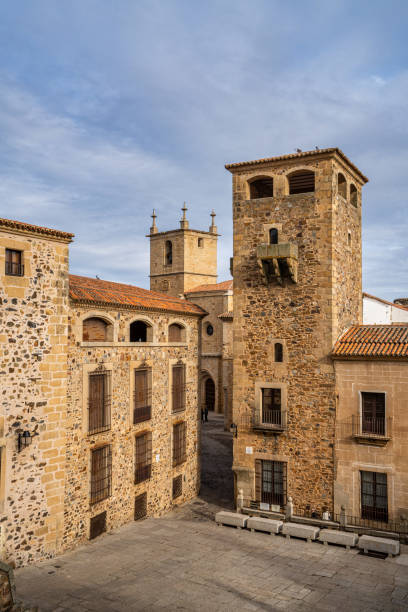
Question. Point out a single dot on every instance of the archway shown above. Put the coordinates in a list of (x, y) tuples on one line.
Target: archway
[(209, 394)]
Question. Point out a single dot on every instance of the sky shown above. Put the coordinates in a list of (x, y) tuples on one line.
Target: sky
[(109, 109)]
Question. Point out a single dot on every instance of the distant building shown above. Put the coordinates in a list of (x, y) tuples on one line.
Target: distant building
[(382, 312)]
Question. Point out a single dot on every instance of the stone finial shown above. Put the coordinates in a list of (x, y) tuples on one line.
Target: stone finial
[(213, 227), (183, 221), (153, 229), (289, 509), (240, 500)]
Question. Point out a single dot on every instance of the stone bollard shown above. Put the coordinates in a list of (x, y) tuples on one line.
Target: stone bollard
[(289, 509), (342, 516), (240, 500)]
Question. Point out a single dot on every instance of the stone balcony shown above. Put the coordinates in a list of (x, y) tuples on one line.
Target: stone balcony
[(278, 262)]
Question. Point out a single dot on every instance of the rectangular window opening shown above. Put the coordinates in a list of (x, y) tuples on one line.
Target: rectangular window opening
[(99, 401), (101, 473), (140, 506), (271, 406), (179, 387), (177, 486), (179, 443), (14, 263), (374, 496), (373, 413), (271, 482), (98, 525), (143, 457), (142, 409)]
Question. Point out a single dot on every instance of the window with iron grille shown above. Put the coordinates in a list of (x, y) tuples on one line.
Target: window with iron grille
[(179, 387), (143, 457), (101, 473), (179, 443), (14, 263), (270, 482), (373, 413), (142, 408), (99, 401), (271, 406), (140, 506), (98, 525), (177, 486), (374, 496)]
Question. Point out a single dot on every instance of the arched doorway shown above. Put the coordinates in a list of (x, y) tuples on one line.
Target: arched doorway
[(209, 394)]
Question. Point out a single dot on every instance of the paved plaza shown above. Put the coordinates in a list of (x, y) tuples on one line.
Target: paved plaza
[(183, 561)]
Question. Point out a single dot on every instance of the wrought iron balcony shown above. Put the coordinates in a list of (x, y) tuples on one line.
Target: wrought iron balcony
[(371, 428), (274, 421)]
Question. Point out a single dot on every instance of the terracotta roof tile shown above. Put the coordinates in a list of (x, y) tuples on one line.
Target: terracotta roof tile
[(37, 229), (373, 341), (224, 286), (94, 290), (226, 315)]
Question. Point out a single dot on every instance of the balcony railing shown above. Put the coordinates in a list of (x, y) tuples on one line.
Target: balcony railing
[(271, 420), (378, 428)]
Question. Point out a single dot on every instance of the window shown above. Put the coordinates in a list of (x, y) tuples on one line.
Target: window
[(14, 262), (278, 352), (179, 387), (200, 242), (261, 188), (270, 485), (348, 238), (139, 331), (179, 443), (271, 406), (353, 195), (302, 181), (142, 408), (177, 486), (374, 496), (140, 506), (99, 401), (97, 525), (96, 329), (101, 473), (143, 457), (273, 236), (341, 185), (176, 333), (209, 329), (373, 413), (168, 253)]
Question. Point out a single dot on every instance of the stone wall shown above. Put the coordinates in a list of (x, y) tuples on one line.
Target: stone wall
[(33, 378), (121, 358)]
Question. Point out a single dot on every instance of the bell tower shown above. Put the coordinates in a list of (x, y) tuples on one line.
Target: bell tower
[(183, 258)]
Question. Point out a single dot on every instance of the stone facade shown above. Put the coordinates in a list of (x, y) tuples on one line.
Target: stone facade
[(317, 299)]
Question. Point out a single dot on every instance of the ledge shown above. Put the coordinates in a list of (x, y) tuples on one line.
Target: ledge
[(133, 344)]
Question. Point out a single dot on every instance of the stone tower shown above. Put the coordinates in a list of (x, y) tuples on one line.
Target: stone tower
[(182, 259), (297, 286)]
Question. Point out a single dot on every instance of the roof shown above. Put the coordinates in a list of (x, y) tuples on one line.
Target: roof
[(36, 229), (97, 291), (301, 155), (373, 341), (224, 286), (226, 315), (373, 297)]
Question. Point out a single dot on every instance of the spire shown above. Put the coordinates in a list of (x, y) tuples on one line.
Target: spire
[(213, 227), (183, 221), (153, 229)]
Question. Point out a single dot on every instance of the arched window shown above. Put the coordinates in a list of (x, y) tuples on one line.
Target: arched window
[(176, 333), (301, 181), (261, 188), (353, 195), (341, 185), (95, 329), (169, 252), (273, 236), (278, 352), (140, 331)]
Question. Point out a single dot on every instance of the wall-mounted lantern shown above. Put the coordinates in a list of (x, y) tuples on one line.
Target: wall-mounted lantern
[(234, 430), (24, 440)]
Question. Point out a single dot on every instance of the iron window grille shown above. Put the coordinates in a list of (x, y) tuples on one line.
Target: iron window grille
[(179, 388), (271, 482), (373, 413), (177, 486), (101, 473), (143, 457), (140, 506), (142, 408), (374, 496), (179, 443), (99, 401), (14, 263), (271, 406), (97, 525)]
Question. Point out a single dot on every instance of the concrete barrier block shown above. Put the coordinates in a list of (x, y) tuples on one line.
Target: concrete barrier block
[(231, 518), (297, 530), (262, 524), (334, 536), (383, 545)]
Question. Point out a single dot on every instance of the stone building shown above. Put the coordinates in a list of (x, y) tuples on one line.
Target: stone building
[(297, 287), (100, 413)]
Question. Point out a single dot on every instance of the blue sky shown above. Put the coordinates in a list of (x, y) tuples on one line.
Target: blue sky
[(109, 109)]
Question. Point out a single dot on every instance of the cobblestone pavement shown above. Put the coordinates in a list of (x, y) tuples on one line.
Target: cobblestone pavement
[(183, 561)]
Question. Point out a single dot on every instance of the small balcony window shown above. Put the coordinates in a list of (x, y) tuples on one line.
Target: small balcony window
[(271, 407), (373, 413), (14, 263)]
